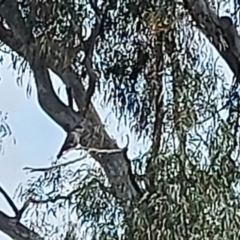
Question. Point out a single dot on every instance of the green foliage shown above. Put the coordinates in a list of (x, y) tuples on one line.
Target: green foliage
[(164, 79)]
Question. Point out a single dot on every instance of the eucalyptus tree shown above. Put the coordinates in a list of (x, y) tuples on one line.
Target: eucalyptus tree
[(156, 64)]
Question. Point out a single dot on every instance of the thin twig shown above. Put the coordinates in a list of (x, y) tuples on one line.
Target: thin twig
[(54, 167), (89, 150), (21, 211), (98, 150), (55, 199)]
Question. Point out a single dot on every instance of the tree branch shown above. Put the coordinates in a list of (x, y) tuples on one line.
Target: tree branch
[(116, 165), (89, 47), (9, 201), (9, 11), (47, 169), (18, 213), (119, 173), (213, 27), (49, 101), (15, 229), (11, 225)]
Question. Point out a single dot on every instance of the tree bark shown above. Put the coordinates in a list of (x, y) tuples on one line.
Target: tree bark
[(11, 225), (213, 27), (116, 165), (117, 168), (15, 229)]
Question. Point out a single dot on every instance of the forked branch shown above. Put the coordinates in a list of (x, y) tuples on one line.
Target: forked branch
[(11, 225), (18, 212)]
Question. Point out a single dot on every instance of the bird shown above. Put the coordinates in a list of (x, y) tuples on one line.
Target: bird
[(72, 140)]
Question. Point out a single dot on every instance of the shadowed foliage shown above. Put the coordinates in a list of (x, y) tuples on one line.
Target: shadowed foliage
[(161, 67)]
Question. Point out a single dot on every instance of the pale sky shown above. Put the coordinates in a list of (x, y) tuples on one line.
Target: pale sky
[(38, 138), (31, 129)]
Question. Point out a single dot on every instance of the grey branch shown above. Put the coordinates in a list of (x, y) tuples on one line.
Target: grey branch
[(216, 29), (12, 226), (115, 165), (47, 169), (9, 201), (18, 212), (15, 229)]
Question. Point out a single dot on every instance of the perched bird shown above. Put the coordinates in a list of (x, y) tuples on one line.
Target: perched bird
[(71, 141)]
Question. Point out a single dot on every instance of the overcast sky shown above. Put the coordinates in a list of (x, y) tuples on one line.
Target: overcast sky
[(37, 137)]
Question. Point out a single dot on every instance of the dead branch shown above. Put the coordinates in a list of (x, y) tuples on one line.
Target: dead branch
[(89, 150), (47, 169), (106, 151), (97, 150)]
